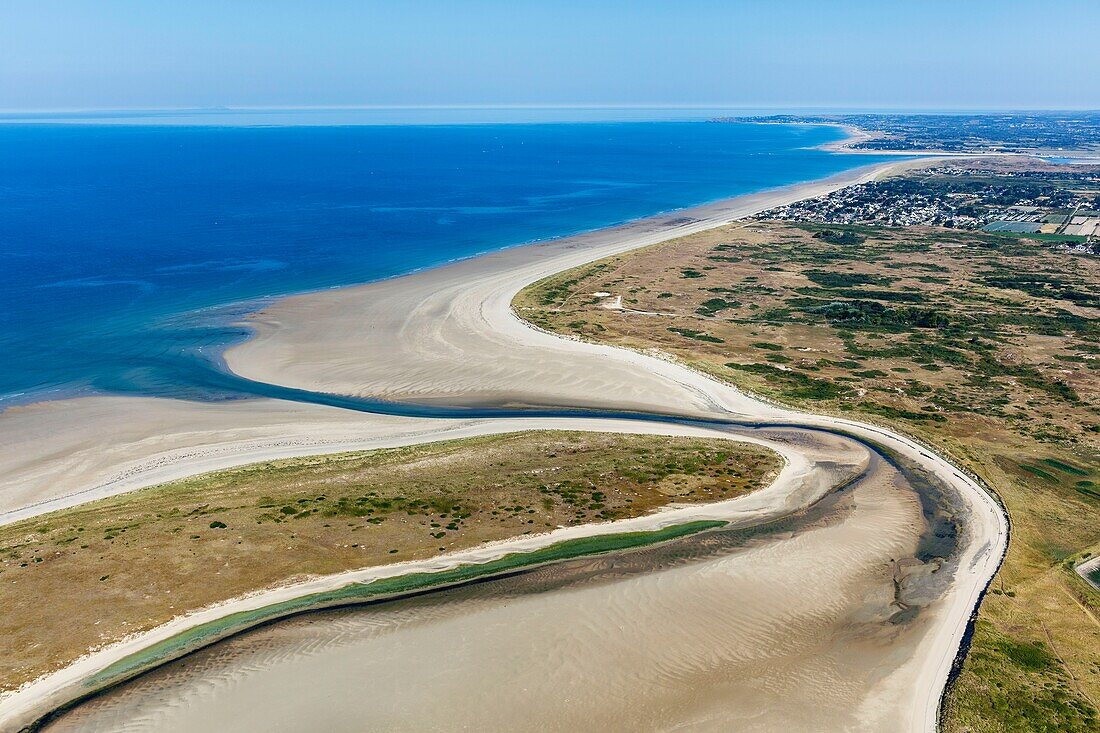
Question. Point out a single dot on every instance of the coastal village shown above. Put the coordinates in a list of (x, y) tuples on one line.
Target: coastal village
[(1056, 206), (1047, 133)]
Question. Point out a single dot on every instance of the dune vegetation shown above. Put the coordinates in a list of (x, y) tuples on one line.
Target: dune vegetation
[(984, 345), (80, 578)]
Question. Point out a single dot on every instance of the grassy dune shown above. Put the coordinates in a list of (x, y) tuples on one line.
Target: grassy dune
[(987, 347), (83, 577)]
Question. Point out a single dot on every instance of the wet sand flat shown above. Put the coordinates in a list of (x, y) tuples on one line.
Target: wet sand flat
[(448, 336), (792, 632), (786, 631), (421, 338)]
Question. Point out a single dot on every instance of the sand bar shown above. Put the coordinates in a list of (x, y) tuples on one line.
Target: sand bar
[(68, 451), (448, 336), (717, 642), (810, 471)]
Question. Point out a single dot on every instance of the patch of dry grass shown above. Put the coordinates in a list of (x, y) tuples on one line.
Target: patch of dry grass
[(83, 577)]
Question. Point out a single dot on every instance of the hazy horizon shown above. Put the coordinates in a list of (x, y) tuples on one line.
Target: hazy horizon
[(433, 115), (64, 55), (793, 108)]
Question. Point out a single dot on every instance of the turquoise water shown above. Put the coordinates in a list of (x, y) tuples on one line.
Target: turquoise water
[(126, 251)]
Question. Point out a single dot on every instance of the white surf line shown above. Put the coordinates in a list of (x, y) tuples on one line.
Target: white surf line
[(798, 484)]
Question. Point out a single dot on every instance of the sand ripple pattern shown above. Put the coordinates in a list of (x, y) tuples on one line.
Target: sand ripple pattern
[(715, 633), (844, 616)]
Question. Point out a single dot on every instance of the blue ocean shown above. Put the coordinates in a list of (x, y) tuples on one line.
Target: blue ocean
[(128, 251)]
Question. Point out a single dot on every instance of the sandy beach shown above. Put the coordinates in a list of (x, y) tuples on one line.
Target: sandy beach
[(856, 135), (69, 451), (810, 471), (448, 336), (725, 618)]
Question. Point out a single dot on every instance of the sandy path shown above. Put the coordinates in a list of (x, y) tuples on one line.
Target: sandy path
[(448, 336)]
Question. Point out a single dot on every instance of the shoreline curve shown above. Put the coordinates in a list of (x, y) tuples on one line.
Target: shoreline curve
[(688, 394)]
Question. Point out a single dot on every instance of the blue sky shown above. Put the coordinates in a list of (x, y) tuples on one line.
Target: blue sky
[(66, 54)]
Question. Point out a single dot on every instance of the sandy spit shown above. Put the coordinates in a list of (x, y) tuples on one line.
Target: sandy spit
[(809, 472), (449, 336)]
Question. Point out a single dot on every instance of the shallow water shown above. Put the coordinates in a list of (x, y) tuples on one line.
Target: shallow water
[(715, 632), (126, 250)]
